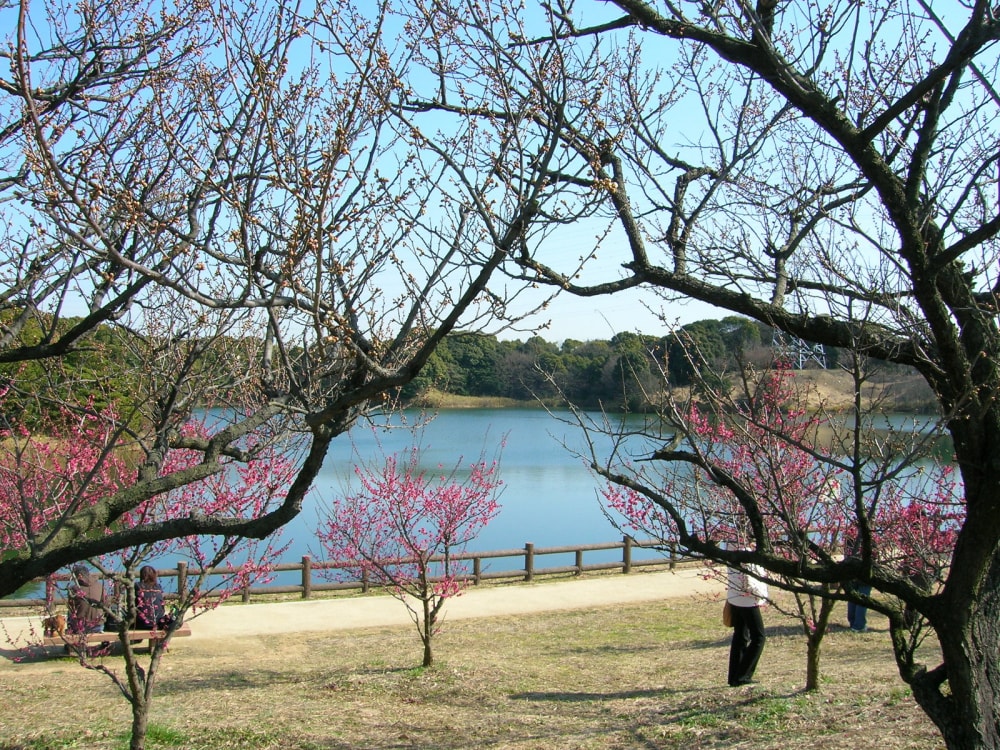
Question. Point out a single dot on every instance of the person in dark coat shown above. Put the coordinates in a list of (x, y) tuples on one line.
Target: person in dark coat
[(857, 614), (150, 611)]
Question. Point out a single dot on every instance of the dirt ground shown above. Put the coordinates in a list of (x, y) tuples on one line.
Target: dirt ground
[(833, 390)]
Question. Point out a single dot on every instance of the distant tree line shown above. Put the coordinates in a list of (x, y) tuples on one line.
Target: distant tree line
[(625, 372), (83, 376)]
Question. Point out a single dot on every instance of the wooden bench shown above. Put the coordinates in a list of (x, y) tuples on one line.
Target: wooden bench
[(111, 636)]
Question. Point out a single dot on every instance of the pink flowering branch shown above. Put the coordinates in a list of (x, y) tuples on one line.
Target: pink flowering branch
[(77, 463), (746, 481), (402, 529)]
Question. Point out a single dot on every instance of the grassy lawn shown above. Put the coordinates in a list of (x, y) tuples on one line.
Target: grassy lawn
[(634, 676)]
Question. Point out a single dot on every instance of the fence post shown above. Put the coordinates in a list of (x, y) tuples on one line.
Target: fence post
[(673, 556), (182, 578), (364, 581), (306, 576), (529, 561), (477, 570), (579, 562), (626, 554)]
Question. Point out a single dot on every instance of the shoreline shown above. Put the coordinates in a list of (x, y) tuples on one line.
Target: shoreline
[(830, 391)]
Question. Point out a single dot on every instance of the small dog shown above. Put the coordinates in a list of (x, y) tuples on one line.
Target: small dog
[(54, 625)]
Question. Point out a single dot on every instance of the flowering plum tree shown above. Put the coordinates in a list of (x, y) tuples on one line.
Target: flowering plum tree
[(63, 466), (754, 474), (72, 466), (218, 566), (404, 527), (914, 528), (800, 505)]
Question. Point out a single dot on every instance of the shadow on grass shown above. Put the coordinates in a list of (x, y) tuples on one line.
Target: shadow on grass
[(568, 697), (241, 679), (771, 631), (676, 717), (34, 654), (609, 649), (738, 696)]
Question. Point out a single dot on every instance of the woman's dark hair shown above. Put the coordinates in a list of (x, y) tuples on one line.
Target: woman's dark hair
[(147, 575)]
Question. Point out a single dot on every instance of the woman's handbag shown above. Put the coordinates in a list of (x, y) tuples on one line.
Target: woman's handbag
[(727, 615)]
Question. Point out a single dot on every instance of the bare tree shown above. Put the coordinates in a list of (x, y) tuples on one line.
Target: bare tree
[(262, 219), (828, 169), (69, 76)]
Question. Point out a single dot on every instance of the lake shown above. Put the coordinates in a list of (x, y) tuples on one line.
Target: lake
[(549, 496)]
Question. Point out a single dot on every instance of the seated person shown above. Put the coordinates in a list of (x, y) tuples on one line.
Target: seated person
[(150, 613), (86, 602)]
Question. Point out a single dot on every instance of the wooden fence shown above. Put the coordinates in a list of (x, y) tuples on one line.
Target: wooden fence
[(313, 575)]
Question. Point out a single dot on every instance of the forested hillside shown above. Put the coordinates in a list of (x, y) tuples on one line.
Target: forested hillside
[(625, 372), (83, 375)]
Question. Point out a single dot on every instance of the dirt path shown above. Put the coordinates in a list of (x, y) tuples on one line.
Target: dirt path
[(492, 601), (233, 621)]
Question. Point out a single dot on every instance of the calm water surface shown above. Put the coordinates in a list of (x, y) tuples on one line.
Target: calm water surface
[(549, 496)]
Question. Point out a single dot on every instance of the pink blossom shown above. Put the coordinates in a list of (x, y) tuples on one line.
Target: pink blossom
[(403, 529)]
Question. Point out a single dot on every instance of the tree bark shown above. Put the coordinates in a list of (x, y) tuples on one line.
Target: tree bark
[(427, 630), (428, 654), (968, 713), (140, 724), (813, 642)]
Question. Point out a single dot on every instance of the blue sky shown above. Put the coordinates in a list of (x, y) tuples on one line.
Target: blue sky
[(601, 318), (590, 318)]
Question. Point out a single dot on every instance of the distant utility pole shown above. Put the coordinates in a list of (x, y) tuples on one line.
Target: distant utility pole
[(798, 351)]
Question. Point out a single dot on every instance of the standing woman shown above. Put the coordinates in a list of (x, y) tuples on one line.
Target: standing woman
[(746, 595)]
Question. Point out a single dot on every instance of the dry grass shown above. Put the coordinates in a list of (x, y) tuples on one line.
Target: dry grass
[(637, 676), (833, 390), (435, 399)]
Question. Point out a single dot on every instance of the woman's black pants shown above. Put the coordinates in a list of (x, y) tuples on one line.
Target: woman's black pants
[(747, 645)]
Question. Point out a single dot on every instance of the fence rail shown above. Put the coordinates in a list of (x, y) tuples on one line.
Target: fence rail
[(310, 569)]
